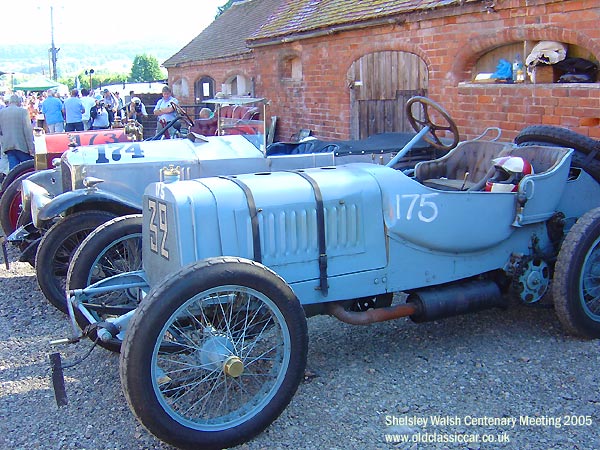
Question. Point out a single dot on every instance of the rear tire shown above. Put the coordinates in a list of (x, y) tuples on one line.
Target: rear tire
[(26, 167), (587, 150), (576, 286), (185, 335), (57, 248), (10, 205)]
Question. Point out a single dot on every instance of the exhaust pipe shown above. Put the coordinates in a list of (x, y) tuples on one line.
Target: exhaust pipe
[(425, 305), (450, 300), (369, 316)]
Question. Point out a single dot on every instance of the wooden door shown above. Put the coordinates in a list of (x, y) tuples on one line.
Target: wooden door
[(381, 83)]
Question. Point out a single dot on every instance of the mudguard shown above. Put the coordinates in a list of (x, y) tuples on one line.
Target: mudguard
[(70, 199), (49, 180), (39, 189)]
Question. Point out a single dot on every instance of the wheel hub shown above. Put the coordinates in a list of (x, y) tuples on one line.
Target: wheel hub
[(531, 283), (217, 353), (233, 366)]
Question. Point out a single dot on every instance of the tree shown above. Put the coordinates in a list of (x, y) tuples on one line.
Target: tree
[(145, 68), (99, 79), (225, 7)]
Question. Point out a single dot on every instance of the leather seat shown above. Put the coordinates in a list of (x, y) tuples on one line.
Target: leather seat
[(462, 168), (542, 158), (205, 127)]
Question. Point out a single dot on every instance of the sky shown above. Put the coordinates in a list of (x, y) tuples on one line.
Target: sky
[(27, 22)]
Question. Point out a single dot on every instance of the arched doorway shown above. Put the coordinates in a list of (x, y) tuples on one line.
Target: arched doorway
[(204, 88), (381, 83)]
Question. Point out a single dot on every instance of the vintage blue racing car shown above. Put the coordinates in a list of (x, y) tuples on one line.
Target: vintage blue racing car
[(213, 331)]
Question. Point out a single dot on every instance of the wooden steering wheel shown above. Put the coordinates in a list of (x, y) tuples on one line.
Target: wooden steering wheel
[(181, 112), (418, 124)]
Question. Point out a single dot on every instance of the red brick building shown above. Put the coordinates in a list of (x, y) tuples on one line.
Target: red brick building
[(344, 69)]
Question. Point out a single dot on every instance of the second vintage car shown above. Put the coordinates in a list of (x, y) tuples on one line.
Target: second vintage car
[(48, 148)]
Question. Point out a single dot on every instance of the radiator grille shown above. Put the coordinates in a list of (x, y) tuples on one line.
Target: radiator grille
[(65, 170)]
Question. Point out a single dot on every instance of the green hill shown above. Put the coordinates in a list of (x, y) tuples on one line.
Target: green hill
[(73, 59)]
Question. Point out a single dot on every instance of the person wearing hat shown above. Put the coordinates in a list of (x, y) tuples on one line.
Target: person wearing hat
[(99, 115), (163, 110), (136, 110)]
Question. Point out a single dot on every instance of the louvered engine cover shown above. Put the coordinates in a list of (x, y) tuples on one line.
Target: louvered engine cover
[(268, 217)]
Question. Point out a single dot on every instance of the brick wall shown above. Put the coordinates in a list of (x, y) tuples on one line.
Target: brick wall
[(450, 41), (512, 107), (221, 71)]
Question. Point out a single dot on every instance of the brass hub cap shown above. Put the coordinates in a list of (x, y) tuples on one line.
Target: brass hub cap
[(233, 366)]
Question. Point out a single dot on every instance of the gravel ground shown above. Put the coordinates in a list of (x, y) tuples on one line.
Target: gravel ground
[(478, 373)]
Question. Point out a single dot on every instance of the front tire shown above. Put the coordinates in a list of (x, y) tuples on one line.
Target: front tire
[(10, 205), (56, 249), (215, 354), (576, 286), (113, 248)]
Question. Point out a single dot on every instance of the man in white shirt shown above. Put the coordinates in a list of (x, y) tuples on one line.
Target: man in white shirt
[(164, 111)]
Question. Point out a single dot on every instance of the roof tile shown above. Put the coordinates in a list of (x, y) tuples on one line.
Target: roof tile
[(234, 32), (297, 16)]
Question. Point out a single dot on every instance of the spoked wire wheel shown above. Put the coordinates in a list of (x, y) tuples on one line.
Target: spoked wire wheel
[(220, 364), (121, 256), (576, 287), (57, 248), (112, 249), (589, 282), (221, 357), (10, 205)]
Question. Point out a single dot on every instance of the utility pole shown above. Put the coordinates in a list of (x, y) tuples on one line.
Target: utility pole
[(53, 50)]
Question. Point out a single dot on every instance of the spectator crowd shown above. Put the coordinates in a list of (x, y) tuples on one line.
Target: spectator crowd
[(21, 113)]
